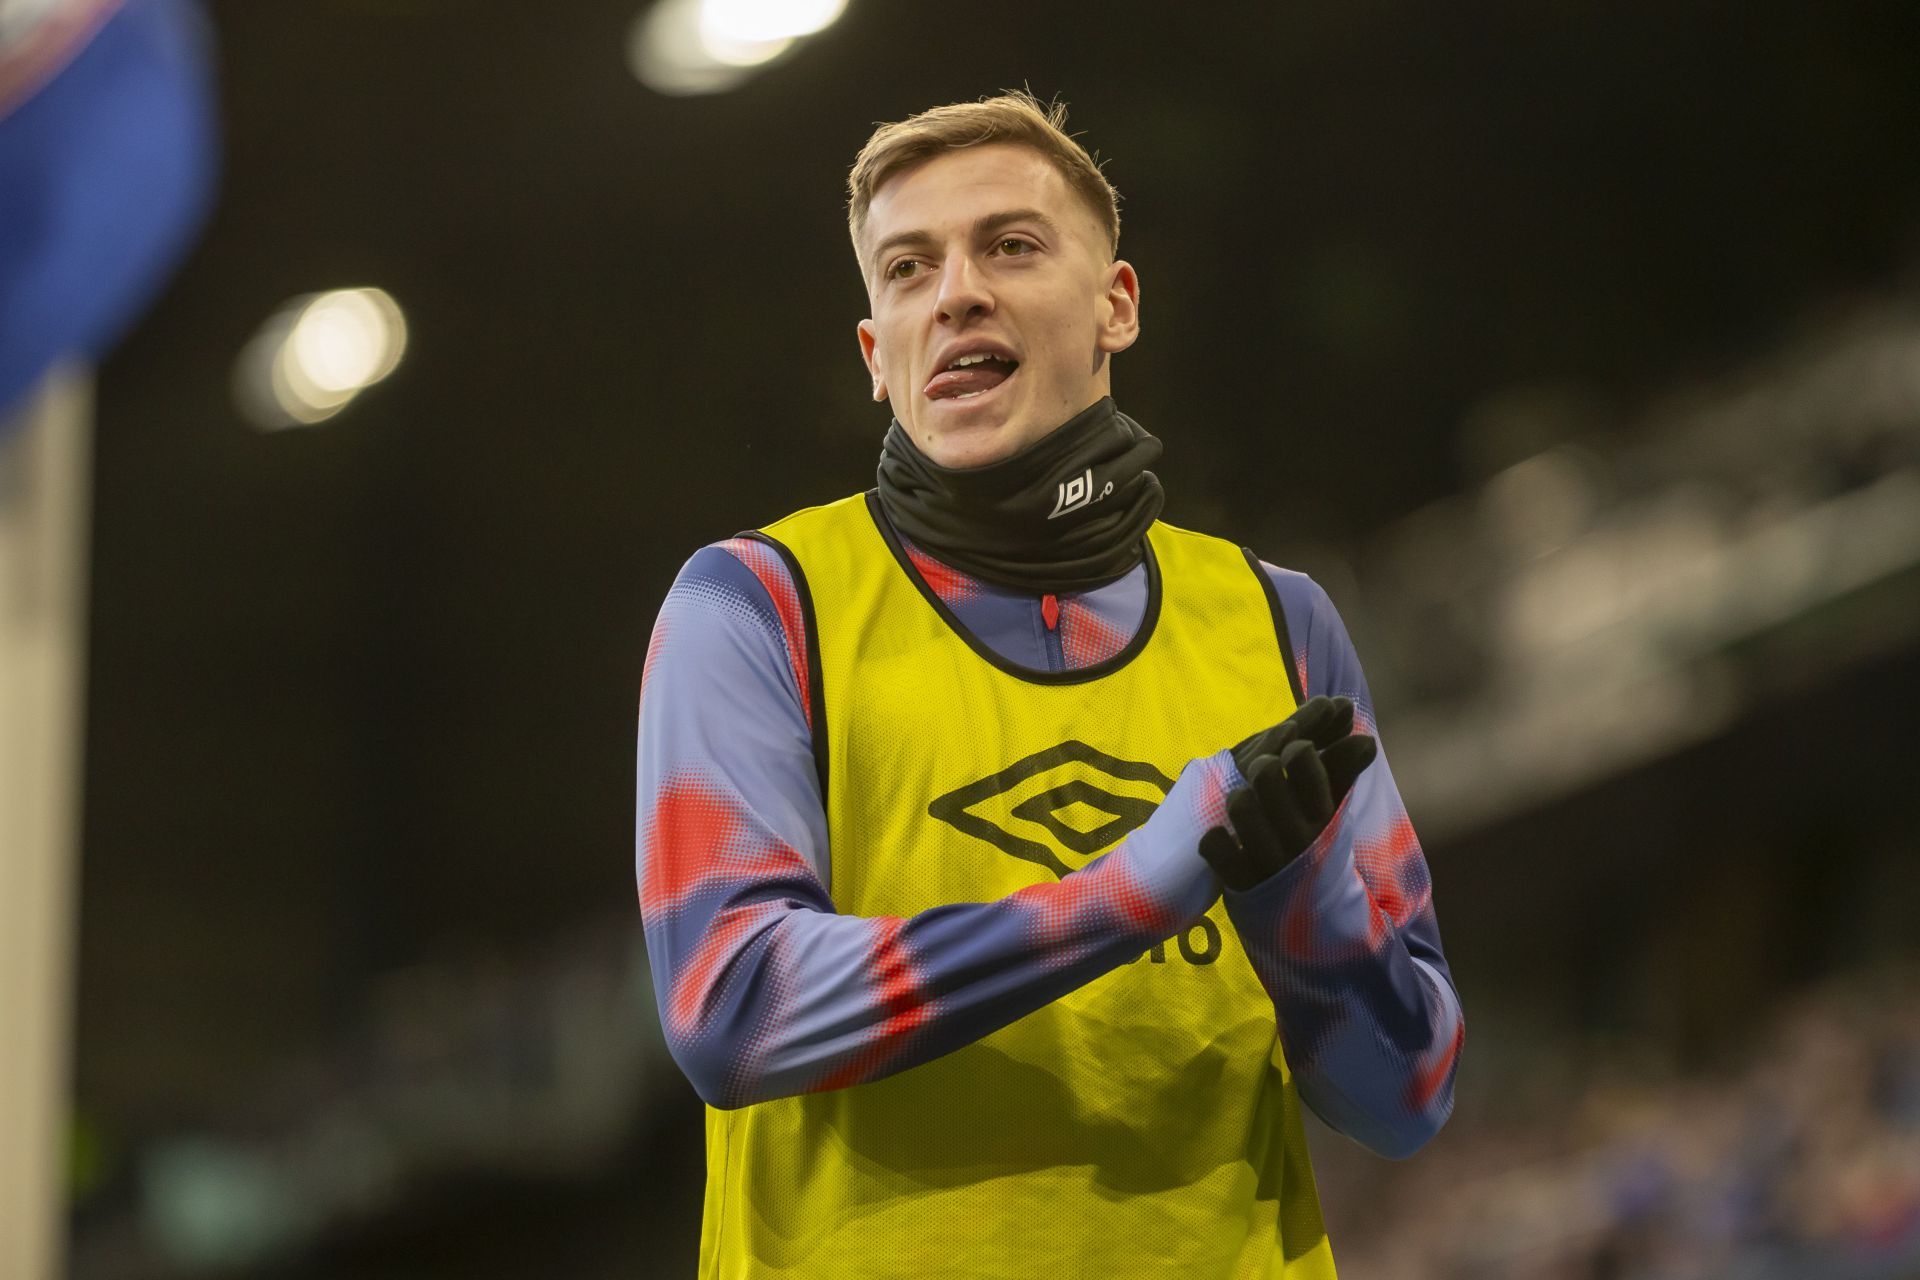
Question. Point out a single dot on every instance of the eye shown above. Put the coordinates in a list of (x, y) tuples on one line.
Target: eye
[(1013, 246), (903, 269)]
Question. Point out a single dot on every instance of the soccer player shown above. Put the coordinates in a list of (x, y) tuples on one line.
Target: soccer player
[(1014, 864)]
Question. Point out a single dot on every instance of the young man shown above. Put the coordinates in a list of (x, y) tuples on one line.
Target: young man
[(939, 794)]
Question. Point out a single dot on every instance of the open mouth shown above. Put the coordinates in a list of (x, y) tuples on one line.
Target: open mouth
[(970, 376)]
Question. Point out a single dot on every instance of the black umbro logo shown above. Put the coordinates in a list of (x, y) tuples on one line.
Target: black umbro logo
[(1070, 798)]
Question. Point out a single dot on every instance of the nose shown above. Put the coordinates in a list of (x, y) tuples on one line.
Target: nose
[(963, 289)]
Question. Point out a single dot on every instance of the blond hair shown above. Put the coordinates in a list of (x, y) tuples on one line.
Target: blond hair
[(1016, 117)]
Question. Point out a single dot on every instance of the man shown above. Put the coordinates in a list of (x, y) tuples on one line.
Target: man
[(939, 794)]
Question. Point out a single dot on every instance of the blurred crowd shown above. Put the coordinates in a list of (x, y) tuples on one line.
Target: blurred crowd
[(1799, 1159)]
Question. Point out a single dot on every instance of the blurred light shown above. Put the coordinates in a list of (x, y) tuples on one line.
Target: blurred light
[(212, 1205), (666, 54), (739, 53), (314, 355), (348, 340), (1539, 504), (708, 46), (766, 21)]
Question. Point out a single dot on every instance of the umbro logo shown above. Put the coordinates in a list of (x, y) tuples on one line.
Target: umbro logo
[(1076, 493), (1069, 799)]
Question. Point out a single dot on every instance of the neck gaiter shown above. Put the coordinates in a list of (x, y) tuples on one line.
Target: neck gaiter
[(1068, 512)]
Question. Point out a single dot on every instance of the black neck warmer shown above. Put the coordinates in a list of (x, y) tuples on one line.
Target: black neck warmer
[(1066, 513)]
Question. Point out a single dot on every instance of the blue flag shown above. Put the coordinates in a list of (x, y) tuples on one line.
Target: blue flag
[(108, 157)]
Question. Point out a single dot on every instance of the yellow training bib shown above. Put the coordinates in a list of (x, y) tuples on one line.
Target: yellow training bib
[(1144, 1125)]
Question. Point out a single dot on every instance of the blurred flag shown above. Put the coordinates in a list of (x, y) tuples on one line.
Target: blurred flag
[(108, 155)]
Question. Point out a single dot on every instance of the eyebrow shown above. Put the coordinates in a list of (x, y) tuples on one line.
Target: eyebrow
[(983, 227)]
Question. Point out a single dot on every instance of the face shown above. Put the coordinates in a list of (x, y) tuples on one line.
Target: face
[(986, 251)]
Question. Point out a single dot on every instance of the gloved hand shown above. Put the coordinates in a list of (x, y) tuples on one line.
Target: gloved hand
[(1297, 774)]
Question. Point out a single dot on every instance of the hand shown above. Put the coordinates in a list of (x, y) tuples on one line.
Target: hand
[(1297, 774)]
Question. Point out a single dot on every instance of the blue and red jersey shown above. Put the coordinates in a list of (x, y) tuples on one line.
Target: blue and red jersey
[(752, 963)]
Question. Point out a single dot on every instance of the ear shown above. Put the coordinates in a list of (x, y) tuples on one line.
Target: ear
[(1120, 308), (869, 342)]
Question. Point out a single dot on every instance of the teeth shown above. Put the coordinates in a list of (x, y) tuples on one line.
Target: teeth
[(964, 361)]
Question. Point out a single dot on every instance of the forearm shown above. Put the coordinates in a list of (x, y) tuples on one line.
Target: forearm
[(1345, 938), (1371, 1030), (766, 992)]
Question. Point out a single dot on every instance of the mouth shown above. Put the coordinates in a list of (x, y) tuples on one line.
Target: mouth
[(969, 376)]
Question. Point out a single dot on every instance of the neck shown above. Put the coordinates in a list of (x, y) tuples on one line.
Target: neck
[(1066, 513)]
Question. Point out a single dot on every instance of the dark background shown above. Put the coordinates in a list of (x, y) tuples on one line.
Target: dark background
[(361, 697)]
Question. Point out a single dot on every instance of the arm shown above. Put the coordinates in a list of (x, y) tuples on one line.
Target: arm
[(1345, 939), (764, 989)]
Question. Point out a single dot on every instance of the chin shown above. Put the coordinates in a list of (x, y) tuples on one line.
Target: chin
[(961, 447), (963, 450)]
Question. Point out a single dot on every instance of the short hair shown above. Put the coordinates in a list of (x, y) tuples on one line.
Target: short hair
[(1016, 117)]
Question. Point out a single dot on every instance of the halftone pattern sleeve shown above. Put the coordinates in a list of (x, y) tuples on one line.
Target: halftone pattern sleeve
[(764, 989), (1345, 938), (771, 572), (724, 687)]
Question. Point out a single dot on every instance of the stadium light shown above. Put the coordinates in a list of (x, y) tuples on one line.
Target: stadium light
[(314, 355), (682, 47), (766, 21)]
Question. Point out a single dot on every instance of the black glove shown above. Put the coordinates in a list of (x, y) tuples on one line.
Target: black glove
[(1297, 774)]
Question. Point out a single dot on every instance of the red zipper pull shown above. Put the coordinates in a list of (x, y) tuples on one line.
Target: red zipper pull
[(1050, 611)]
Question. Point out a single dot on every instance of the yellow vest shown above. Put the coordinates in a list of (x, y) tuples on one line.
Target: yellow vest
[(1144, 1125)]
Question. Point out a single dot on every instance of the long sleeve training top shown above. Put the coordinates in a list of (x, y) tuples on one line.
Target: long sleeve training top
[(766, 991)]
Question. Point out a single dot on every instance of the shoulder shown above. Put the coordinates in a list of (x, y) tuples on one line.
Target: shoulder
[(744, 579), (1182, 536), (1315, 634), (733, 610), (1304, 604), (1299, 594), (752, 567), (1323, 650), (770, 551), (732, 567), (810, 521), (1193, 550), (1301, 597)]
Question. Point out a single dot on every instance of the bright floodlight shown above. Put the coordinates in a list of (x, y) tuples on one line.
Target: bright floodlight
[(666, 53), (707, 46), (746, 22), (316, 354), (347, 340)]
